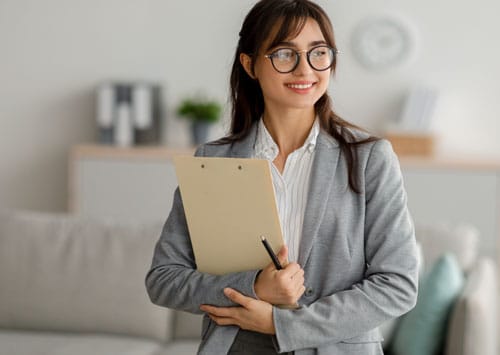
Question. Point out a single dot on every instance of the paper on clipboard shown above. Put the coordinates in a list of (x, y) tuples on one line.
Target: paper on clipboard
[(229, 204)]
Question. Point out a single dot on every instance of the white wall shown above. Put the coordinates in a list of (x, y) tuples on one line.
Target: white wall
[(53, 53), (458, 55)]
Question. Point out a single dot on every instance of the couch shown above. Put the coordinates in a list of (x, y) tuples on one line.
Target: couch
[(74, 285), (471, 324)]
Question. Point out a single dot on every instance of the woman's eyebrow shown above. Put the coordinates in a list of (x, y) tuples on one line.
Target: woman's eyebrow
[(294, 45)]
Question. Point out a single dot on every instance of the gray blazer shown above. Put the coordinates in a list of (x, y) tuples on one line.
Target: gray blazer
[(358, 252)]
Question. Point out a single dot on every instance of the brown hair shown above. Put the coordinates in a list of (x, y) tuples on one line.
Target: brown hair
[(246, 95)]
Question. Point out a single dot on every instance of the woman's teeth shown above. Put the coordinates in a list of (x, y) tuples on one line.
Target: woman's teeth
[(299, 86)]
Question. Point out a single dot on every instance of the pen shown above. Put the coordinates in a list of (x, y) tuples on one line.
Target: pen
[(270, 251)]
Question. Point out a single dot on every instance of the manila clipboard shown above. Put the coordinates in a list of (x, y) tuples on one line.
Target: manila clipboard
[(229, 204)]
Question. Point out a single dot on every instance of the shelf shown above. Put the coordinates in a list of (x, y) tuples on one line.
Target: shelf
[(136, 152), (162, 152), (448, 162)]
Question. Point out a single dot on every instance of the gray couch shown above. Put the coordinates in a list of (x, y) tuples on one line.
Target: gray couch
[(75, 286)]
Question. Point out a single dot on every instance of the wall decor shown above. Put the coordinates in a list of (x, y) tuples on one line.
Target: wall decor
[(382, 42)]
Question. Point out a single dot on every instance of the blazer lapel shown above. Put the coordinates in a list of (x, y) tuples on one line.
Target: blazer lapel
[(320, 184)]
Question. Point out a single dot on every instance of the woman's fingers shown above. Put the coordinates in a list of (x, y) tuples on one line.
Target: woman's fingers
[(300, 292), (253, 314), (292, 275), (223, 320), (237, 297), (290, 270), (218, 311), (283, 255), (298, 275)]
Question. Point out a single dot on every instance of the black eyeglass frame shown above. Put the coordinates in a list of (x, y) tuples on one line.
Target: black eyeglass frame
[(272, 55)]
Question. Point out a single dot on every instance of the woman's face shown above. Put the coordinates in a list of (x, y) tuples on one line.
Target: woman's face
[(301, 88)]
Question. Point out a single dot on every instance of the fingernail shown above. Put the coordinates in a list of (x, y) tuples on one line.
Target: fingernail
[(227, 291)]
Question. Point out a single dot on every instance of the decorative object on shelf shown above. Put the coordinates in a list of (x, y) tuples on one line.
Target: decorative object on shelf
[(383, 42), (129, 113), (203, 113), (418, 109), (411, 134), (124, 126)]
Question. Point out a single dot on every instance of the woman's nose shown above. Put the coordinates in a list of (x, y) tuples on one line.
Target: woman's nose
[(303, 67)]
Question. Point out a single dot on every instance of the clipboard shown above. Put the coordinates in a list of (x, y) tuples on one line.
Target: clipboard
[(229, 204)]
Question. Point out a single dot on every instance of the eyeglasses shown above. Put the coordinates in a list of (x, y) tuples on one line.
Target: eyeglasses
[(286, 60)]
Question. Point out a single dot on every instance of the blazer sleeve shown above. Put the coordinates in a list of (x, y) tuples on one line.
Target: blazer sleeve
[(389, 286), (173, 280)]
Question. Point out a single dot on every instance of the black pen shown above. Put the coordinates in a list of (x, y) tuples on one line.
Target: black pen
[(270, 251)]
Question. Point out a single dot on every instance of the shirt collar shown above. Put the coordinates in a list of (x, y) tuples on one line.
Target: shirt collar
[(266, 148)]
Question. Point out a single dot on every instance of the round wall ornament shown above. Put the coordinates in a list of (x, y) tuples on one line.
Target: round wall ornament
[(383, 42)]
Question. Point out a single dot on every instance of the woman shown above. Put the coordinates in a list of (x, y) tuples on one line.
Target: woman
[(350, 241)]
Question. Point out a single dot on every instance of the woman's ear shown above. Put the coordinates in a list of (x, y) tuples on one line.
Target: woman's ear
[(246, 62)]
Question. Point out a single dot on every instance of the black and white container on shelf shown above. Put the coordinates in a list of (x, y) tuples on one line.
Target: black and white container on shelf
[(124, 134), (129, 113), (105, 114)]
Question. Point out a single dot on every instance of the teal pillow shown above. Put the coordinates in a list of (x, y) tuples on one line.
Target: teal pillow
[(423, 330)]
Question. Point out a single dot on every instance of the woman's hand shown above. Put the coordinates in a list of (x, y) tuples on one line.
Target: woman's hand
[(254, 315), (280, 287)]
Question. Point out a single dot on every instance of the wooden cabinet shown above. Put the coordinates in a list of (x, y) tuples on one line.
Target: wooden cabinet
[(122, 183), (138, 183)]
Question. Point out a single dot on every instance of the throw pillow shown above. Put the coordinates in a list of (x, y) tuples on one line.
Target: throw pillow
[(423, 330), (473, 321)]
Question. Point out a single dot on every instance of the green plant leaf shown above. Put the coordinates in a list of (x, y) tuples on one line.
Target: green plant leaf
[(199, 110)]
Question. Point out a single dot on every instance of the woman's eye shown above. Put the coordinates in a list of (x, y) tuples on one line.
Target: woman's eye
[(284, 54), (318, 53)]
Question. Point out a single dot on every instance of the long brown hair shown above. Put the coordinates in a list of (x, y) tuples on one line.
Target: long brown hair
[(246, 95)]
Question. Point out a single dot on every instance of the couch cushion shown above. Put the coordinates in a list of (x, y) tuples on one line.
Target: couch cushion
[(473, 324), (462, 240), (423, 330), (187, 325), (59, 272), (44, 343), (181, 347)]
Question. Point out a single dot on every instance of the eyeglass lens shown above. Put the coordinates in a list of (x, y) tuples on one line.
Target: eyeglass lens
[(285, 60)]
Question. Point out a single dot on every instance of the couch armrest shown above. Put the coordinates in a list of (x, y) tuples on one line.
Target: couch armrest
[(473, 322)]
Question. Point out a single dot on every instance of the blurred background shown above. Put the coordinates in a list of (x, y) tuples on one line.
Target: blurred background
[(424, 74), (56, 53)]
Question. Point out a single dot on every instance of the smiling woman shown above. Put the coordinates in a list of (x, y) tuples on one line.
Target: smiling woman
[(286, 77), (349, 260)]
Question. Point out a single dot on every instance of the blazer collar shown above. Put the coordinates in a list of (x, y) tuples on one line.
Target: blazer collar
[(244, 148)]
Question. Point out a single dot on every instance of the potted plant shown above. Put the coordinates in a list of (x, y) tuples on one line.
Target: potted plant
[(203, 113)]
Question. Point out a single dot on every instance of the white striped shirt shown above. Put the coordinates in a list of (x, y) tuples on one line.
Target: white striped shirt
[(291, 187)]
